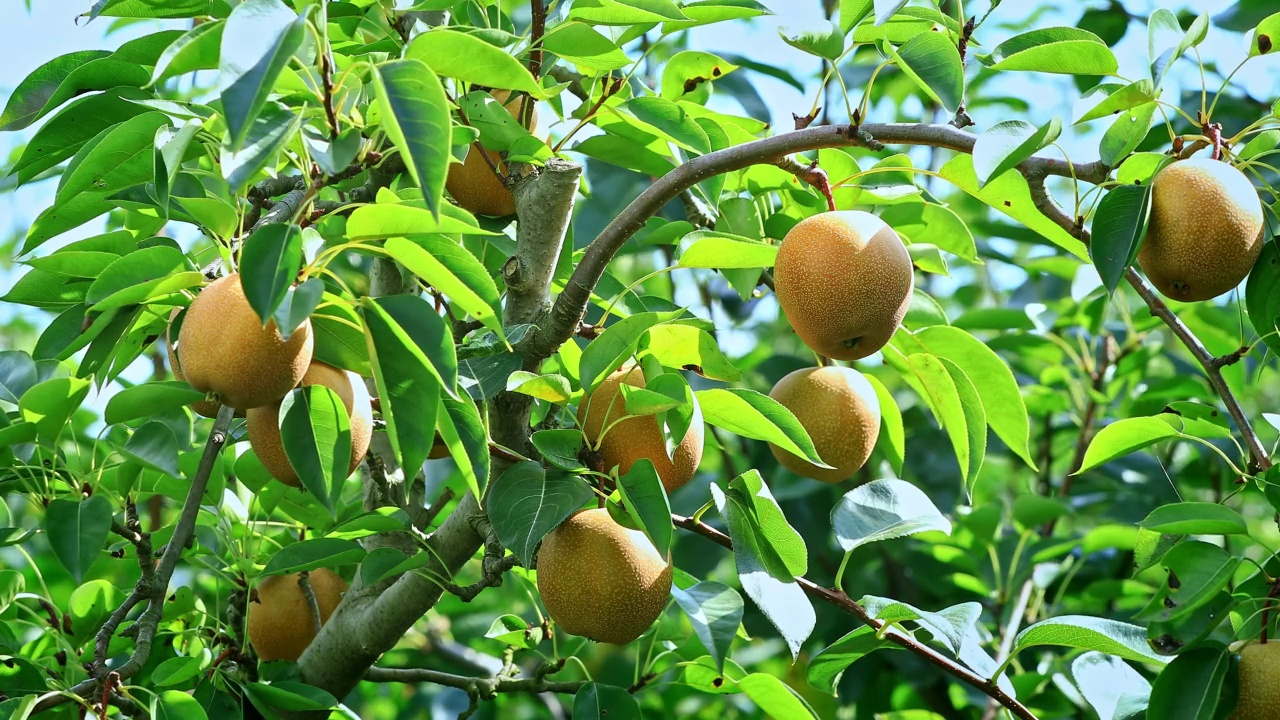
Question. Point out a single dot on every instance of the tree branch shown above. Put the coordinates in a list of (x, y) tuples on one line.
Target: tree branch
[(1259, 459), (572, 303), (840, 600), (485, 687), (371, 619), (152, 586)]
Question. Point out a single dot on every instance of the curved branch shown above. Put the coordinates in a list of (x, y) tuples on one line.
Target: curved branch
[(838, 599), (485, 687), (152, 586), (1259, 459), (572, 303)]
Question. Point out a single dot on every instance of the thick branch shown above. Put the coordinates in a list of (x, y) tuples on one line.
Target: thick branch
[(485, 687), (572, 303), (839, 599), (371, 620)]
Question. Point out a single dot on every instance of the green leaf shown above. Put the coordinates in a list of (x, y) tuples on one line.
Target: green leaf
[(1191, 687), (825, 41), (883, 510), (269, 264), (1009, 194), (90, 605), (1065, 50), (711, 249), (1265, 36), (1002, 402), (49, 405), (1123, 437), (1119, 227), (514, 630), (783, 602), (12, 582), (688, 71), (154, 446), (300, 301), (1195, 518), (416, 118), (451, 269), (892, 440), (408, 384), (560, 448), (585, 47), (62, 135), (77, 531), (269, 132), (669, 121), (316, 434), (715, 611), (756, 416), (647, 502), (257, 41), (63, 78), (174, 671), (826, 668), (617, 343), (774, 697), (1262, 296), (551, 387), (288, 696), (197, 49), (625, 153), (1126, 133), (385, 220), (1005, 145), (932, 61), (1115, 98), (17, 375), (312, 554), (1198, 573), (1090, 633), (770, 522), (921, 222), (604, 702), (853, 12), (1114, 689), (687, 346), (466, 57), (117, 158), (339, 335), (956, 405), (525, 503), (949, 626), (625, 12)]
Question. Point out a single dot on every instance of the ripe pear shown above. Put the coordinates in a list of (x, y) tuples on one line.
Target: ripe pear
[(844, 281), (637, 437), (205, 408), (281, 624), (600, 580), (1259, 682), (473, 183), (839, 409), (1205, 231), (224, 348), (264, 422)]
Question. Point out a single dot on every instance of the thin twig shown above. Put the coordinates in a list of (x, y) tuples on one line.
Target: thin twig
[(839, 599), (485, 687), (313, 605), (151, 588)]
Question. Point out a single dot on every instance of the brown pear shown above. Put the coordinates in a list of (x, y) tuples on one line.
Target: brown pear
[(600, 580), (224, 348), (844, 281), (473, 183), (264, 422), (1205, 231), (626, 441), (839, 409), (281, 622)]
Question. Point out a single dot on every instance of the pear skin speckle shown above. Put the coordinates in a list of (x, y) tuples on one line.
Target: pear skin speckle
[(844, 281), (839, 409), (1205, 231), (600, 580), (1259, 682)]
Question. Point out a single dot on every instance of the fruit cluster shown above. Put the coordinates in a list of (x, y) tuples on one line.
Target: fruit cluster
[(224, 350)]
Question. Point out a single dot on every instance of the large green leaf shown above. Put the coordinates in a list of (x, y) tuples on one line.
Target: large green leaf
[(466, 57), (77, 531), (1123, 437), (451, 269), (269, 264), (759, 417), (408, 384), (316, 434), (259, 38), (1004, 145), (932, 61), (883, 510), (526, 502), (416, 118), (1066, 50), (1090, 633), (715, 611), (1262, 296)]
